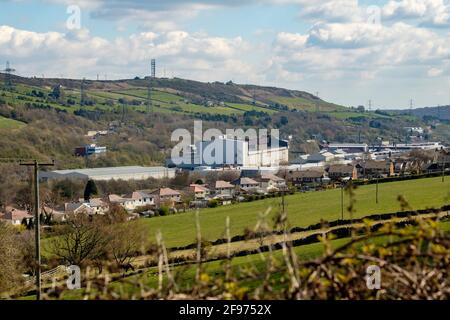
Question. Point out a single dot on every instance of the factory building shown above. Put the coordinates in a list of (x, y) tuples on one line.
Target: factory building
[(234, 152), (117, 173)]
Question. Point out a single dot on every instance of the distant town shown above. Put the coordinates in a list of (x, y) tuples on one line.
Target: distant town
[(255, 173)]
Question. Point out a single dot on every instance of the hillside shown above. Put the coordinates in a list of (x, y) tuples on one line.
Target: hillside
[(168, 95), (440, 113), (48, 118)]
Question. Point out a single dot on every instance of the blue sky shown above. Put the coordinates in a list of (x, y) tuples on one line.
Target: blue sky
[(349, 51)]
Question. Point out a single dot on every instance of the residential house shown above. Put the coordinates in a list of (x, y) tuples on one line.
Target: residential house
[(307, 177), (271, 183), (201, 192), (142, 198), (441, 161), (98, 206), (131, 202), (247, 185), (77, 207), (166, 196), (55, 214), (375, 169), (16, 216), (342, 172), (128, 204), (224, 190)]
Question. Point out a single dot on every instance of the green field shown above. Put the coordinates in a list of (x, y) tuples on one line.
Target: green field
[(305, 104), (186, 274), (303, 209), (6, 123)]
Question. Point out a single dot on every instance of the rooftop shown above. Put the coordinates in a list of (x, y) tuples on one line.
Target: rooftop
[(15, 214), (244, 180), (113, 170), (271, 176), (223, 184), (165, 192), (340, 168)]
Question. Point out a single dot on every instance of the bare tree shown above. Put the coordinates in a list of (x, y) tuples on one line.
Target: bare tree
[(11, 265), (84, 239), (127, 240)]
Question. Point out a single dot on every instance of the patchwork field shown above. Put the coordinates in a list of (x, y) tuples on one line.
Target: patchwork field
[(303, 209), (6, 123)]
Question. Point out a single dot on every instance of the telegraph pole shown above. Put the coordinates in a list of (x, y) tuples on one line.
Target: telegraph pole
[(342, 201), (377, 192), (443, 165), (37, 236), (317, 101)]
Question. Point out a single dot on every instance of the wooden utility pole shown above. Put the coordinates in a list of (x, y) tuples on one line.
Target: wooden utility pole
[(37, 236), (377, 192), (443, 166), (342, 201)]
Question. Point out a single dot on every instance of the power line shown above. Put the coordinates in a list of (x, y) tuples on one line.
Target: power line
[(82, 93), (149, 89), (153, 68), (317, 101), (37, 236), (8, 75), (37, 223)]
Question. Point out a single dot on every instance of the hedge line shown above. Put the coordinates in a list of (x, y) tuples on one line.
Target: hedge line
[(400, 178), (320, 225)]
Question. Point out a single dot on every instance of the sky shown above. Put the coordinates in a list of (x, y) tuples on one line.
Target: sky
[(349, 51)]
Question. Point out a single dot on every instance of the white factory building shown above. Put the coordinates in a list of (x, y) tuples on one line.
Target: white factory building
[(117, 173), (234, 152)]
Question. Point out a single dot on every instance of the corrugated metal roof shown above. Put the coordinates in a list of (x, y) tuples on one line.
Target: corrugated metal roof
[(114, 170)]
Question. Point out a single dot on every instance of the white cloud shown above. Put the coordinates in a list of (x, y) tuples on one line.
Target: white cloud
[(361, 50), (434, 13), (79, 54)]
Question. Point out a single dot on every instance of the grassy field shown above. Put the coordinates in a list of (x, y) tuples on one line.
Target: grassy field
[(305, 104), (185, 275), (6, 123), (303, 209), (162, 101)]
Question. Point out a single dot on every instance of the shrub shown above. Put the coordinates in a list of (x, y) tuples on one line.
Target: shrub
[(163, 211), (213, 203)]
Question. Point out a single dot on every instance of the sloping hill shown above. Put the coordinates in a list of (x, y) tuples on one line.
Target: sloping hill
[(167, 95), (440, 113)]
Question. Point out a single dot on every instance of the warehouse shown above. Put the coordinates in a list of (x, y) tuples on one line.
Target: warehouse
[(117, 173)]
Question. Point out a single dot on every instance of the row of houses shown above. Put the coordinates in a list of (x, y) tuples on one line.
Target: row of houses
[(367, 169), (340, 172), (199, 194)]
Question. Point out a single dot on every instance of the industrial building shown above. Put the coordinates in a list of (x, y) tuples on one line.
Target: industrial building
[(234, 152), (89, 150), (117, 173), (348, 147)]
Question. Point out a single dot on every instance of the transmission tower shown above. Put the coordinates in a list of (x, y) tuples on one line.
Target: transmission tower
[(149, 89), (411, 103), (370, 105), (8, 78), (153, 62), (124, 111), (82, 93), (317, 101)]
